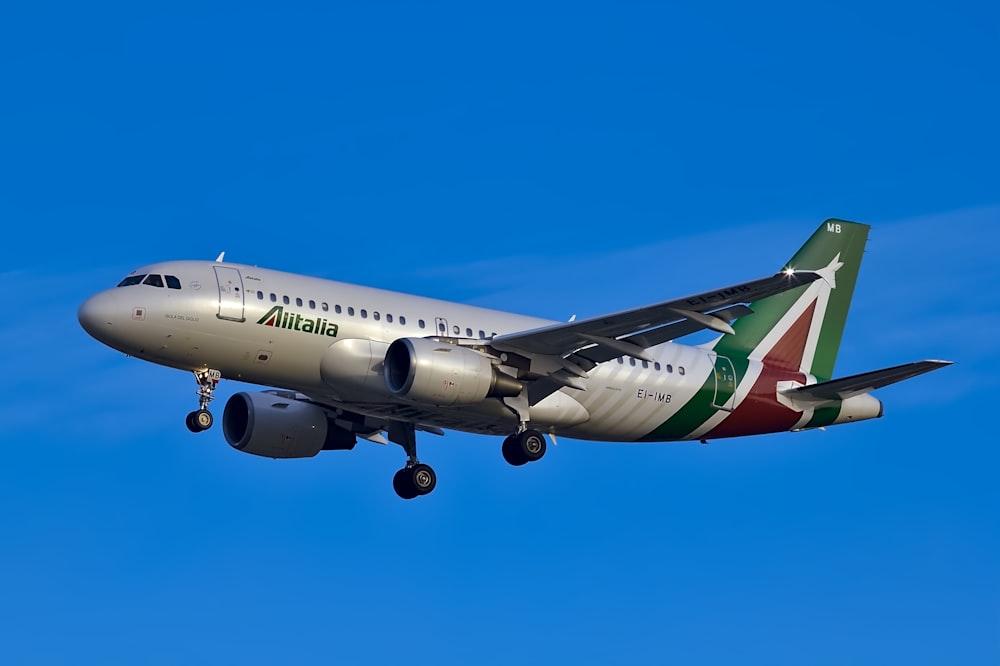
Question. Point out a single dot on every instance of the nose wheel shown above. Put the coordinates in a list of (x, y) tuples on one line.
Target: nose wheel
[(201, 419)]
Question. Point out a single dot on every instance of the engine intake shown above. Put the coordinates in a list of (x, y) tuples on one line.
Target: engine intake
[(438, 373), (277, 425)]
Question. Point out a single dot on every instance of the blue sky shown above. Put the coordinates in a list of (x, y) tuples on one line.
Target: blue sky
[(553, 159)]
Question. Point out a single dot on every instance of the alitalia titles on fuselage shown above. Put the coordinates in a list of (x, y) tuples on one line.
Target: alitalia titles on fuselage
[(278, 318)]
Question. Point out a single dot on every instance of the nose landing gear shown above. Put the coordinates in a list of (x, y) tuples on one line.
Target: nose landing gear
[(201, 419)]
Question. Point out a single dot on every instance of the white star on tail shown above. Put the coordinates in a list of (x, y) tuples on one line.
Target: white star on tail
[(829, 273)]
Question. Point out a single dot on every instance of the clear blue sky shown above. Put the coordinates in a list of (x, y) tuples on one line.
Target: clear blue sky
[(554, 159)]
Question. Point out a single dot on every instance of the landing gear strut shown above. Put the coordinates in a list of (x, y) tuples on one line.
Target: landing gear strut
[(524, 447), (201, 419), (416, 478)]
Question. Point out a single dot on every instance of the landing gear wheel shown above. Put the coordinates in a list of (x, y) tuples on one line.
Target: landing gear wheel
[(424, 478), (199, 421), (524, 447), (532, 444), (411, 482), (402, 483), (510, 452)]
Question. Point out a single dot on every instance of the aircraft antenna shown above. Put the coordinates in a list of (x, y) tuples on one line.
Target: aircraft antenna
[(222, 255)]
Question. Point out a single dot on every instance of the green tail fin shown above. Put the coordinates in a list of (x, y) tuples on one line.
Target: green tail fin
[(801, 329)]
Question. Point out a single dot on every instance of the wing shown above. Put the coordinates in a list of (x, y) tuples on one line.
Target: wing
[(847, 387), (561, 353)]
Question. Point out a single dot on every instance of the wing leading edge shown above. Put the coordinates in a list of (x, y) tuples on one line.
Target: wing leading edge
[(696, 312), (562, 353)]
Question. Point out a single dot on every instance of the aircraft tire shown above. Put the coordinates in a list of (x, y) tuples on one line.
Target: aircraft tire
[(511, 452), (199, 421), (531, 444), (203, 419), (402, 483), (423, 478)]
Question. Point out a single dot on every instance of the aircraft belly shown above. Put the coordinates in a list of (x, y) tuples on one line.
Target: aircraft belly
[(489, 417)]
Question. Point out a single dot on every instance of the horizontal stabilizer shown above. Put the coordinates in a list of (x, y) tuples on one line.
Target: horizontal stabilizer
[(846, 387)]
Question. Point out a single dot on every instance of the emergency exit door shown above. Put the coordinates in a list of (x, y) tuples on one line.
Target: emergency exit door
[(725, 384)]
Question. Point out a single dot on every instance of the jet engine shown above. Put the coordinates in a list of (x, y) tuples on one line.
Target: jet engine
[(275, 424), (438, 373)]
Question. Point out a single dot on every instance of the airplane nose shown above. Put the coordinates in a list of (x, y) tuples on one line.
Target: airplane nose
[(96, 315)]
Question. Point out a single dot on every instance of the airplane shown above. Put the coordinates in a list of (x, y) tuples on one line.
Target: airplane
[(349, 361)]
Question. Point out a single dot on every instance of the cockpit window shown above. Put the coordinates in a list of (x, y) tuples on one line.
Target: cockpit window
[(131, 280), (172, 282), (153, 280)]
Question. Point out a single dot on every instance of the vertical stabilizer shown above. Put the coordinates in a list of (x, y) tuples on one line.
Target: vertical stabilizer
[(801, 329)]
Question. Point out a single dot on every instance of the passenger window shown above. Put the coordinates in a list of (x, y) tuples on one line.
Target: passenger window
[(631, 361), (645, 364), (153, 280), (285, 300), (274, 297), (482, 334), (174, 283), (402, 321), (421, 324), (680, 369), (325, 306), (456, 329), (350, 311), (621, 361), (388, 318), (298, 302), (260, 295), (364, 314), (337, 309), (131, 280), (468, 332), (657, 365), (376, 316), (670, 368), (312, 305)]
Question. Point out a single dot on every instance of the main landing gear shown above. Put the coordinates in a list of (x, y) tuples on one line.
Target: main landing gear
[(524, 447), (201, 419), (416, 478)]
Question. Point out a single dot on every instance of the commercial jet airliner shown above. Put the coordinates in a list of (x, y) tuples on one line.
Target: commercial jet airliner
[(349, 361)]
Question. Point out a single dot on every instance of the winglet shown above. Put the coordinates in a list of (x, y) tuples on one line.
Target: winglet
[(221, 257)]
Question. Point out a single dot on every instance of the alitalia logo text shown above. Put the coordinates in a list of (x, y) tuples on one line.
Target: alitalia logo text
[(278, 318)]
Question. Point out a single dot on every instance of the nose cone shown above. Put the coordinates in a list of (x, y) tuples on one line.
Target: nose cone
[(97, 315)]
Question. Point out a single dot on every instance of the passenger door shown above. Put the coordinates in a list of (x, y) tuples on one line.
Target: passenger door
[(230, 293)]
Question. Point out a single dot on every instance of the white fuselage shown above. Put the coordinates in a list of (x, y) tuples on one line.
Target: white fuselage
[(277, 329)]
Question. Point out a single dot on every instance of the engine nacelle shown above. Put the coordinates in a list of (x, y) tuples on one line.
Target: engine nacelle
[(439, 373), (276, 425)]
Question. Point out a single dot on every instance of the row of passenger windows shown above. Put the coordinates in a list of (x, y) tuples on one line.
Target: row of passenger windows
[(442, 327), (365, 314), (153, 280), (656, 365)]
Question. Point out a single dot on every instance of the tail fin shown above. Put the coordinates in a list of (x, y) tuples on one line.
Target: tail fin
[(801, 329)]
